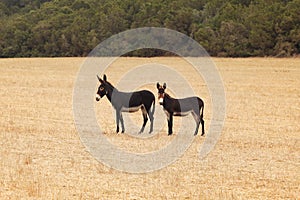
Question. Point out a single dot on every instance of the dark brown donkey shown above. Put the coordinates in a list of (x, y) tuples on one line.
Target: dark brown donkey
[(181, 107), (127, 102)]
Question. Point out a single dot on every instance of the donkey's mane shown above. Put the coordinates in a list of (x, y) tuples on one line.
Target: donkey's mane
[(167, 95), (112, 87)]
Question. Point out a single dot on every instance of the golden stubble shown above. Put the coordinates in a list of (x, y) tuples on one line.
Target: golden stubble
[(257, 155)]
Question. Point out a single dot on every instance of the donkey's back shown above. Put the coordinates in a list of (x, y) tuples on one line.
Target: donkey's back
[(189, 103)]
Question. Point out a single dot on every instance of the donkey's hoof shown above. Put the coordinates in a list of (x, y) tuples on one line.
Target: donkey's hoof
[(169, 134), (142, 130)]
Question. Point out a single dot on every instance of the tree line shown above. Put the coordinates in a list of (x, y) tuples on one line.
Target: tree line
[(232, 28)]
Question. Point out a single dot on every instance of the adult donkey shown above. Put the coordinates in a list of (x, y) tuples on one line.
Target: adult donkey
[(181, 107), (127, 102)]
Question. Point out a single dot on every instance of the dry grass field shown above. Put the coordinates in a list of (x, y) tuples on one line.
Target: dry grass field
[(257, 155)]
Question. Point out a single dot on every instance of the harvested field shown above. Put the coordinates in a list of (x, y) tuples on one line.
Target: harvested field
[(256, 157)]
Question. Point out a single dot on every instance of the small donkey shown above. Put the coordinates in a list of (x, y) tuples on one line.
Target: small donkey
[(181, 107)]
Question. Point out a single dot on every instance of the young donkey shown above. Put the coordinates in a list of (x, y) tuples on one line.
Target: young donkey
[(181, 107), (127, 102)]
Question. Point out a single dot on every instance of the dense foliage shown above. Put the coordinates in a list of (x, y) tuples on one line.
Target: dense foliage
[(235, 28)]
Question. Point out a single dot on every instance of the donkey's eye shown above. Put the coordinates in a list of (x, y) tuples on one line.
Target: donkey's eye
[(101, 88)]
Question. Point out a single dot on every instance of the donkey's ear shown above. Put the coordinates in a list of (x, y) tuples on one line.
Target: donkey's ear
[(165, 86), (104, 78), (157, 85), (101, 81)]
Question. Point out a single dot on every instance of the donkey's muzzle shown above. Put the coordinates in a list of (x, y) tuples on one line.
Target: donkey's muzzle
[(98, 97)]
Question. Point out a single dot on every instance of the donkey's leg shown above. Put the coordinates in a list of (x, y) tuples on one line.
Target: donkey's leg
[(145, 119), (151, 117), (201, 117), (150, 114), (122, 122), (197, 120), (117, 120), (202, 123), (170, 123)]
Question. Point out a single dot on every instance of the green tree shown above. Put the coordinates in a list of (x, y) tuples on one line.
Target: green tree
[(263, 17), (3, 10), (223, 28), (288, 40), (234, 37)]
